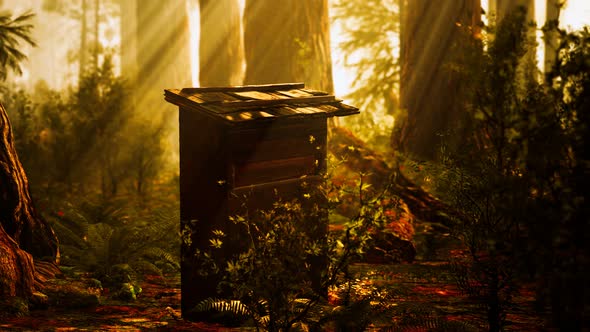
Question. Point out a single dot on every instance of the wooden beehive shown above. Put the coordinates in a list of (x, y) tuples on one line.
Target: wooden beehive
[(243, 141)]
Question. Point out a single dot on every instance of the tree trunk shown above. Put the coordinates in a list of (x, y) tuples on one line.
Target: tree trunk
[(16, 269), (288, 41), (129, 47), (505, 7), (83, 40), (221, 50), (551, 35), (24, 235), (163, 54), (429, 90), (96, 48)]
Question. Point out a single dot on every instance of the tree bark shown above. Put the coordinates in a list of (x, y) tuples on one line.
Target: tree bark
[(129, 46), (16, 269), (288, 41), (221, 46), (83, 40), (551, 36), (96, 48), (430, 91), (24, 235), (504, 8)]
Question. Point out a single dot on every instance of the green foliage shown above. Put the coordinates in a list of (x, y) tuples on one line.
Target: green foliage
[(285, 260), (116, 243), (517, 180), (86, 139), (13, 32), (233, 308), (371, 49), (13, 307)]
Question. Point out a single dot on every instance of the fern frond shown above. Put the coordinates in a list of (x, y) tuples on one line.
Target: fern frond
[(234, 307), (161, 254), (146, 267)]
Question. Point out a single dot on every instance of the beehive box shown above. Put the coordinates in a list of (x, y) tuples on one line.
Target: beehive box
[(243, 141)]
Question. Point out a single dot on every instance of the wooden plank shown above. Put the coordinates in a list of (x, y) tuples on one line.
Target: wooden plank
[(214, 97), (256, 95), (309, 110), (273, 170), (342, 110), (248, 151), (263, 87), (280, 129), (295, 93), (250, 115), (262, 196), (293, 101), (284, 111), (314, 92)]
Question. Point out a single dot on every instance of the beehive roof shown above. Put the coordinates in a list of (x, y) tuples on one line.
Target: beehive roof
[(241, 104)]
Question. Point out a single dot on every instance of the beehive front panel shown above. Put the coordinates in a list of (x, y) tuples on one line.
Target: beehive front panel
[(253, 200), (277, 151)]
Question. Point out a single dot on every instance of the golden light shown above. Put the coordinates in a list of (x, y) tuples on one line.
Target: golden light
[(575, 15), (193, 21), (195, 35)]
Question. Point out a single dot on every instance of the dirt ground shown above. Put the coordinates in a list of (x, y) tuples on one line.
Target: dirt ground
[(426, 289)]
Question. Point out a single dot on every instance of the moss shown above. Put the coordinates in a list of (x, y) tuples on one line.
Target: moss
[(13, 307), (128, 292), (71, 295)]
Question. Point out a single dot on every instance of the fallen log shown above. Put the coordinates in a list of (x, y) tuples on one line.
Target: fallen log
[(357, 156)]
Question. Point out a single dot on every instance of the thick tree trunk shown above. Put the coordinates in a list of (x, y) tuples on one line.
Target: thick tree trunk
[(163, 54), (221, 46), (506, 7), (551, 35), (24, 235), (96, 48), (16, 269), (288, 41), (83, 40), (434, 35), (129, 47)]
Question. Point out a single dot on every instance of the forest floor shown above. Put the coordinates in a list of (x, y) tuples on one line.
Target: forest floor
[(426, 288)]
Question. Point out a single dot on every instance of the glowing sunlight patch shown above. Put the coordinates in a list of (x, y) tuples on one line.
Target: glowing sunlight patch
[(194, 26)]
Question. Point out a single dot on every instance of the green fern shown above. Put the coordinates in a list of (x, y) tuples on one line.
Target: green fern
[(234, 307), (95, 236), (258, 312)]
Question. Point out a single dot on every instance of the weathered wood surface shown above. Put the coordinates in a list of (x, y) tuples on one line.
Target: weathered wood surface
[(260, 87), (241, 105), (313, 100), (274, 170)]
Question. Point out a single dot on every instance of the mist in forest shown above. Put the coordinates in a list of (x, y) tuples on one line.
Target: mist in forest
[(461, 167)]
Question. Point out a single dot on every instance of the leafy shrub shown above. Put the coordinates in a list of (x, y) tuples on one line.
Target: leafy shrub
[(105, 237), (517, 182), (281, 277)]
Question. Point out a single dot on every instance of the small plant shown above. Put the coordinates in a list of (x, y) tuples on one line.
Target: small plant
[(289, 262), (116, 243)]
